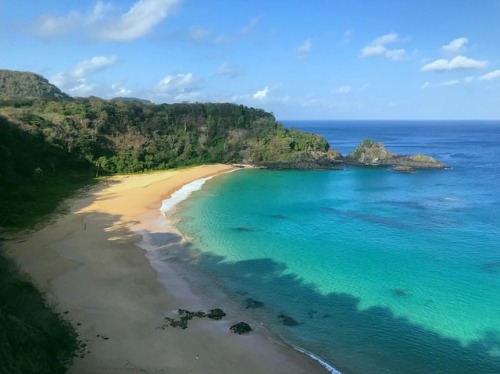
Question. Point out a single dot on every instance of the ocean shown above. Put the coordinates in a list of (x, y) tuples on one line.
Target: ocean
[(372, 270)]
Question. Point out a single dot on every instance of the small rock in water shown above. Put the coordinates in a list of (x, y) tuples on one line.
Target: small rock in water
[(287, 320), (492, 267), (279, 216), (400, 292), (311, 313), (241, 328), (251, 303), (243, 229)]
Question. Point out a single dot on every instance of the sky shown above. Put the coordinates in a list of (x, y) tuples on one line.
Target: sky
[(299, 59)]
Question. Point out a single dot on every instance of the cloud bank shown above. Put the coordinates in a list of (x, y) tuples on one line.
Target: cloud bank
[(378, 47), (99, 23), (456, 63)]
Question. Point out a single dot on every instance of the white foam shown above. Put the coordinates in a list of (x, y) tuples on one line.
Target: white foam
[(182, 194), (323, 363)]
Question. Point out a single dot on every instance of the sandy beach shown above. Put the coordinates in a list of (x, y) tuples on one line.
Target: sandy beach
[(90, 265)]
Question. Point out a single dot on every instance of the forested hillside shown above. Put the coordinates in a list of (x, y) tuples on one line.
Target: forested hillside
[(122, 136), (50, 141), (20, 84)]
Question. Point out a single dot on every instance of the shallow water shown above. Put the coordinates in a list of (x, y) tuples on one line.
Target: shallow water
[(383, 272)]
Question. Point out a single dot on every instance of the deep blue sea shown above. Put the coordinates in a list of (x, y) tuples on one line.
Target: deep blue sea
[(383, 272)]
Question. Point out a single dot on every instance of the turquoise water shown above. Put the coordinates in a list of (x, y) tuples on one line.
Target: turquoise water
[(383, 272)]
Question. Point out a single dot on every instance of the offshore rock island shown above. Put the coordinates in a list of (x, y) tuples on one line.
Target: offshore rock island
[(370, 153)]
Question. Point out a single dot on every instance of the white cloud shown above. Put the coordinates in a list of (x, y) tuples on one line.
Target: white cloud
[(139, 20), (94, 64), (456, 63), (469, 79), (261, 95), (395, 54), (378, 47), (81, 88), (373, 50), (490, 76), (386, 39), (179, 87), (48, 27), (344, 89), (441, 84), (305, 48), (75, 81), (456, 45), (119, 90)]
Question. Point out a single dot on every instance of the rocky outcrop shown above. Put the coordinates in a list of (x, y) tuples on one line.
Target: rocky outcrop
[(314, 160), (370, 153)]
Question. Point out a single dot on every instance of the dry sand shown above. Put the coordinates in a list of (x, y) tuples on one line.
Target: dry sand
[(89, 264)]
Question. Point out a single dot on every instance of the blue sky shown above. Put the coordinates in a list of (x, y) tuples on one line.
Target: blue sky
[(302, 59)]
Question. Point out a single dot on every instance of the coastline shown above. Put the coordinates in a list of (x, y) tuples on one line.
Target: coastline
[(90, 264)]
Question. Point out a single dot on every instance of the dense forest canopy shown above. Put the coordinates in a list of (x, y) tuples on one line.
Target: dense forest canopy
[(126, 136), (43, 140)]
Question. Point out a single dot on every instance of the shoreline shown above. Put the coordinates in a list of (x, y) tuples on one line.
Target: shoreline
[(168, 210), (92, 265)]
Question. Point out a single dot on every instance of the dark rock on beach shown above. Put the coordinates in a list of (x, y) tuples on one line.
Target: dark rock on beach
[(216, 314), (185, 316), (241, 328)]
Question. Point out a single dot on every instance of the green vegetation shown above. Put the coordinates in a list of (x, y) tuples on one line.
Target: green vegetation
[(368, 149), (422, 158), (35, 175), (367, 143), (128, 136), (16, 84), (33, 339)]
